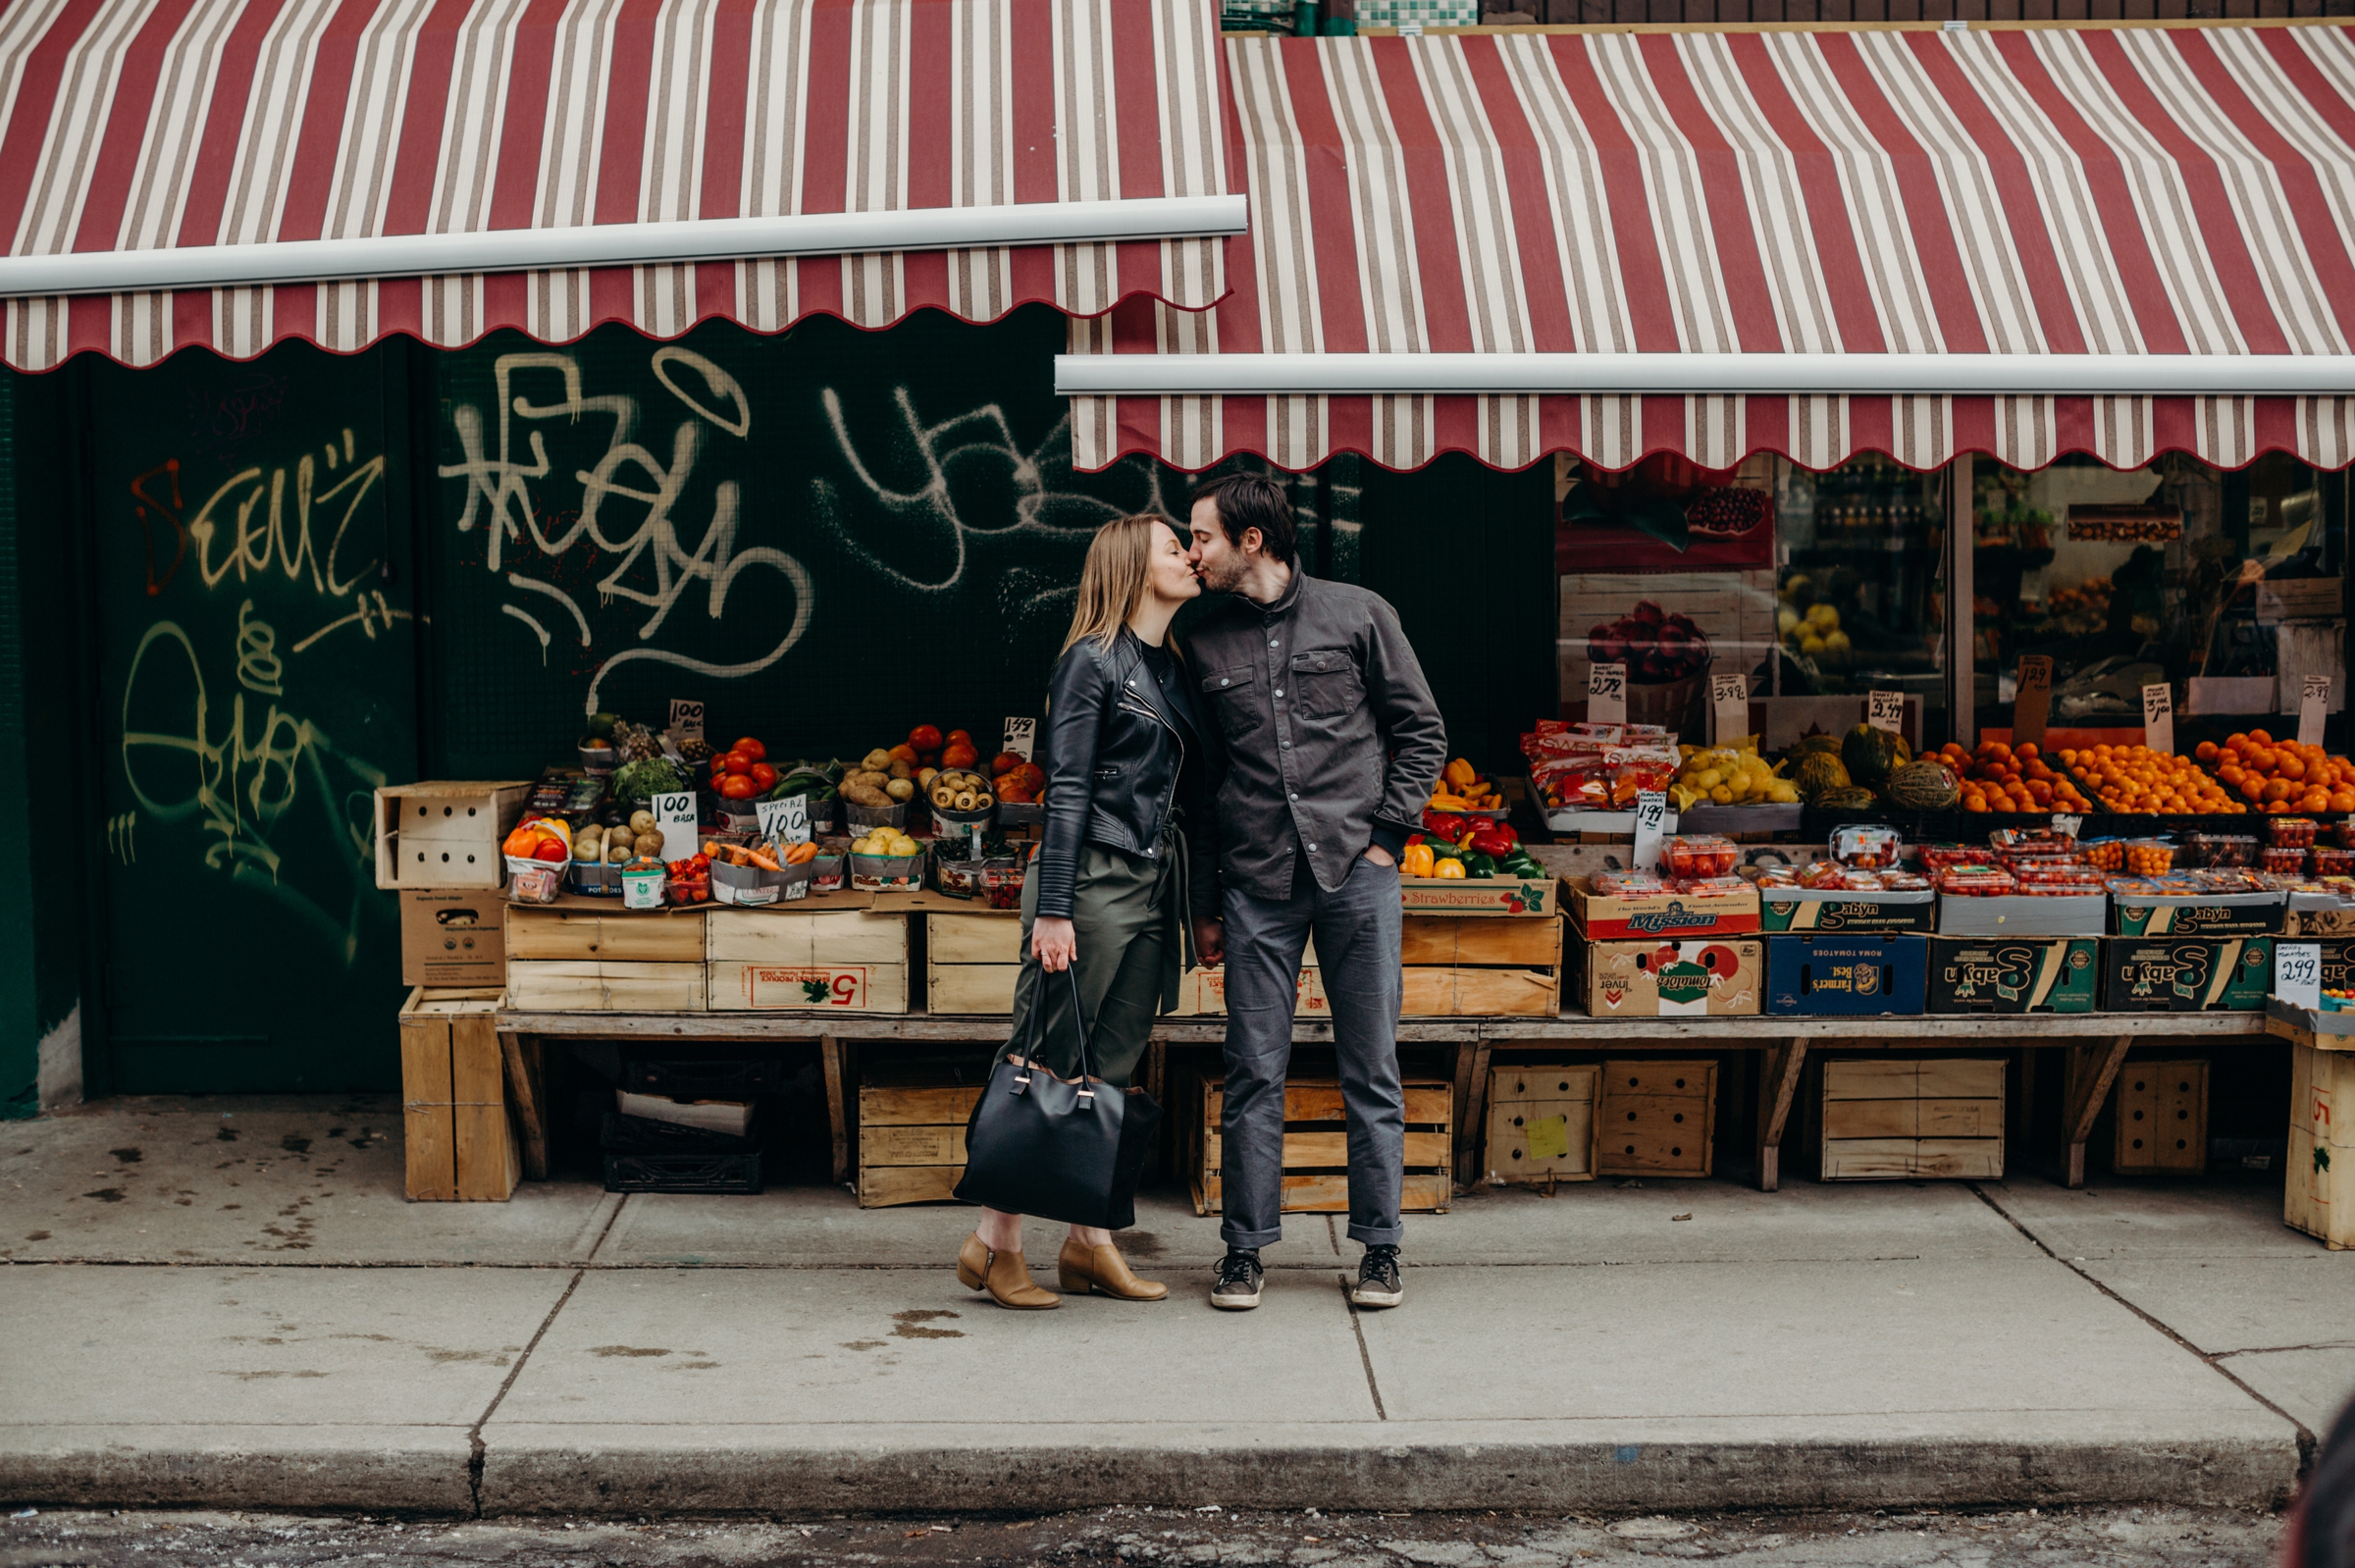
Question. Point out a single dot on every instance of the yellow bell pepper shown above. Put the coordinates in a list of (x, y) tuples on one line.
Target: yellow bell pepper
[(1459, 773), (1418, 861), (1449, 871)]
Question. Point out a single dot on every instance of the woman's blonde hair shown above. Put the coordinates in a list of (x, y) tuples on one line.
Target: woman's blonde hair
[(1118, 573)]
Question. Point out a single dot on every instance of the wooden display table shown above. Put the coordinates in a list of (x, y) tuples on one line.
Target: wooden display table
[(2096, 1043)]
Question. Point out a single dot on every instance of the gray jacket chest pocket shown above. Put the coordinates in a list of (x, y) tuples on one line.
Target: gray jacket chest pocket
[(1235, 695), (1325, 684)]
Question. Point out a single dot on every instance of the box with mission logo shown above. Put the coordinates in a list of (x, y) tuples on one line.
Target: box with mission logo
[(1648, 978), (2186, 974), (1847, 976), (1606, 918), (2017, 974)]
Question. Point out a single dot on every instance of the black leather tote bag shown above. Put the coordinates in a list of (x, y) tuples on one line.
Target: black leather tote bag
[(1073, 1152)]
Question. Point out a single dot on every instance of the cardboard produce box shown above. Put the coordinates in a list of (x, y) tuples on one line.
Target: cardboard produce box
[(452, 938), (1829, 912), (2314, 915), (2023, 915), (2036, 974), (2190, 914), (1847, 976), (2186, 974), (1651, 978), (1666, 916)]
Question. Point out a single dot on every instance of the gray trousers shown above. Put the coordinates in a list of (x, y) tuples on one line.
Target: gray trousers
[(1357, 932)]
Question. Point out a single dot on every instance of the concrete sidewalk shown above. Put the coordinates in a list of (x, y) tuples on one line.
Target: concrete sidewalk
[(227, 1303)]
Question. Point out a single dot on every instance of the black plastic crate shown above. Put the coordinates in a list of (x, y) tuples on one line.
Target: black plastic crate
[(705, 1078), (639, 1134), (683, 1172)]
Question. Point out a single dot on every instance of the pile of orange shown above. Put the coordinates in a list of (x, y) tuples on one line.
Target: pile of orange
[(2135, 778), (2281, 776), (1997, 778)]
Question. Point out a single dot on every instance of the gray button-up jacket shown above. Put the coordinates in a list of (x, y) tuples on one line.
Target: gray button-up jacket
[(1321, 723)]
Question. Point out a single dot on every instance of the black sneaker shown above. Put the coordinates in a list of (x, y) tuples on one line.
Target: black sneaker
[(1378, 1279), (1236, 1290)]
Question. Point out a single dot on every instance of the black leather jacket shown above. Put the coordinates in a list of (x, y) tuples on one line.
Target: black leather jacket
[(1122, 752)]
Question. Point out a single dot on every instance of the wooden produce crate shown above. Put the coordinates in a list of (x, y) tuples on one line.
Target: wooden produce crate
[(2319, 1196), (826, 961), (1657, 1118), (445, 834), (912, 1140), (453, 1094), (604, 960), (1882, 1118), (971, 961), (1202, 993), (1541, 1124), (1473, 965), (1316, 1144), (2162, 1119)]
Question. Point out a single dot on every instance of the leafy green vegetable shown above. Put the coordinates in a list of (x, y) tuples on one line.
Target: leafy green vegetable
[(645, 778)]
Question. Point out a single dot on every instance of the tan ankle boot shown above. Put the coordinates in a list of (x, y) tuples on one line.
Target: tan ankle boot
[(1002, 1275), (1080, 1270)]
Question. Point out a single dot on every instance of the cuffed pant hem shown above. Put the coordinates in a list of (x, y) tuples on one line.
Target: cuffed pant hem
[(1250, 1239), (1378, 1235)]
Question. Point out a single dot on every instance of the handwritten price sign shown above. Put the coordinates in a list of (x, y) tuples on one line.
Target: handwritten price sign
[(1729, 707), (686, 720), (1651, 824), (674, 819), (1021, 734), (786, 821), (2314, 709), (2159, 717), (1606, 694), (2033, 702), (2298, 973), (1886, 710)]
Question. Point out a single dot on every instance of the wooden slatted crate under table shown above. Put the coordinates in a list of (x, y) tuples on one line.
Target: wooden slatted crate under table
[(1316, 1144), (2162, 1119), (912, 1138), (1884, 1119), (1542, 1124), (1657, 1118)]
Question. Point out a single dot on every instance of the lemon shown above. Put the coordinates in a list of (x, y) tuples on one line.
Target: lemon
[(1722, 796), (1810, 643), (1823, 615)]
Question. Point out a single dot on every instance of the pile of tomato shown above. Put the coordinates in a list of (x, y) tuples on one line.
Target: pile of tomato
[(742, 772), (1997, 777)]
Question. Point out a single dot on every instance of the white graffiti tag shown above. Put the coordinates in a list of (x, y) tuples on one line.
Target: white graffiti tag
[(628, 501)]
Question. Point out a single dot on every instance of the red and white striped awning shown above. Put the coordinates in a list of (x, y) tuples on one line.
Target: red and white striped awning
[(139, 125), (2021, 197)]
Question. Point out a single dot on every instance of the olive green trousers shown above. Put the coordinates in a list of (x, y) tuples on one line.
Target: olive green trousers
[(1128, 920)]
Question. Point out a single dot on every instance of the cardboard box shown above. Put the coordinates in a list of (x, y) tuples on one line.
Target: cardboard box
[(1828, 912), (1845, 976), (1665, 916), (2224, 914), (452, 938), (1651, 978), (2023, 915), (1496, 895), (2186, 974), (441, 834), (2047, 974), (2318, 915)]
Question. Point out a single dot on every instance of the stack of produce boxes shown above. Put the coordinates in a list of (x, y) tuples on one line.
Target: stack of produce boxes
[(2020, 926), (2192, 926), (1679, 943), (1848, 935)]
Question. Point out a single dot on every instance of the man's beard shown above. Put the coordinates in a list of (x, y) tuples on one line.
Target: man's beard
[(1223, 575)]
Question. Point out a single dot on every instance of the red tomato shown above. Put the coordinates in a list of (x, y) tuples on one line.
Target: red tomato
[(552, 849), (741, 762), (738, 787), (750, 748), (924, 738), (763, 777)]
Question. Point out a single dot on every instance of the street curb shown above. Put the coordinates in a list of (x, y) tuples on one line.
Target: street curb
[(731, 1470), (368, 1469)]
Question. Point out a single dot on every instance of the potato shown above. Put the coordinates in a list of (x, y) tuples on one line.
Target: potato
[(642, 824), (876, 761), (620, 850), (902, 768), (874, 778), (649, 844), (865, 795), (925, 776), (901, 789)]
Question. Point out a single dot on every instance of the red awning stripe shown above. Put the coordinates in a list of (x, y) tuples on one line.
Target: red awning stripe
[(2039, 191), (138, 124)]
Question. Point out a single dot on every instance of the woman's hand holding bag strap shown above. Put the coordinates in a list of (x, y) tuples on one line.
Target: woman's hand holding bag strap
[(1071, 1151)]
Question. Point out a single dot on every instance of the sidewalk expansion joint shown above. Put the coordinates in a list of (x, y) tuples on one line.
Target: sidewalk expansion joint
[(2213, 1363), (1365, 1357), (477, 1450)]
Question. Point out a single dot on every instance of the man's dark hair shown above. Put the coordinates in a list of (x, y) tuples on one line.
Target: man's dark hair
[(1246, 501)]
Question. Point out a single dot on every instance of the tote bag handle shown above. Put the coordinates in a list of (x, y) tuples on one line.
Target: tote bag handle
[(1037, 1030)]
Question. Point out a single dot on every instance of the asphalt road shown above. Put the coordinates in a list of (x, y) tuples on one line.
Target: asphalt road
[(2129, 1538)]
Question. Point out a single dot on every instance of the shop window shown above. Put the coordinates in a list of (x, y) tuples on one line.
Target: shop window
[(2225, 586), (1818, 587)]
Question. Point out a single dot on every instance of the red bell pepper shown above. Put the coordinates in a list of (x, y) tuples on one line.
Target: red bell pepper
[(1491, 842), (1444, 824)]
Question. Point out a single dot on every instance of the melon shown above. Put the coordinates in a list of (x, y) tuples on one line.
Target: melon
[(1873, 754), (1819, 771), (1850, 798), (1818, 741), (1924, 786)]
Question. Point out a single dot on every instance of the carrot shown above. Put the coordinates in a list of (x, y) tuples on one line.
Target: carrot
[(764, 862)]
